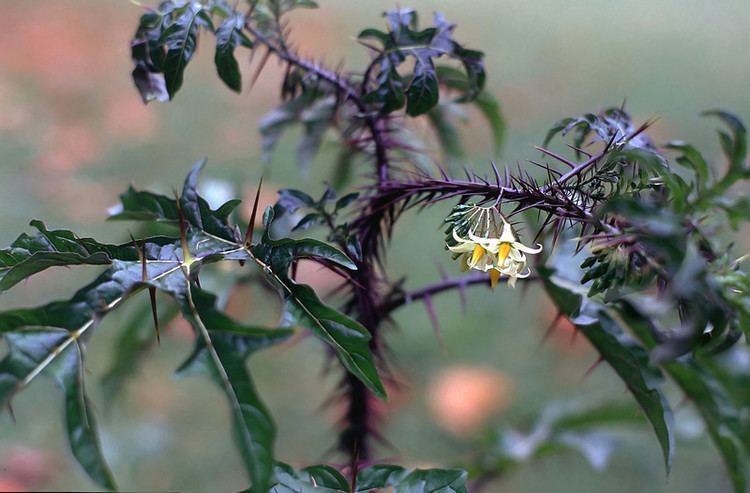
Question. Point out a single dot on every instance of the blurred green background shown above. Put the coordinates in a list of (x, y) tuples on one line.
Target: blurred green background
[(74, 134)]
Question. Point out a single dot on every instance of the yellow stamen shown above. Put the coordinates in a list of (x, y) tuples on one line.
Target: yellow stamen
[(494, 277), (476, 255), (503, 252)]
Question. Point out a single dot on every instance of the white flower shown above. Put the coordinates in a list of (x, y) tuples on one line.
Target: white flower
[(499, 254)]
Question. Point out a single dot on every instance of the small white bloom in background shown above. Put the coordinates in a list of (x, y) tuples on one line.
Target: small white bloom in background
[(487, 243)]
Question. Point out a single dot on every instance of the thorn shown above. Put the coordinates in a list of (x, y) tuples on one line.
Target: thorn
[(295, 268), (579, 150), (355, 466), (186, 257), (593, 367), (550, 329), (11, 412), (251, 224), (152, 297), (430, 308), (497, 174), (555, 156), (263, 61)]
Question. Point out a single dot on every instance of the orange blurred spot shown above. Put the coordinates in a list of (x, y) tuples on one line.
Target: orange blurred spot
[(319, 277), (128, 118), (462, 398), (26, 469), (69, 146)]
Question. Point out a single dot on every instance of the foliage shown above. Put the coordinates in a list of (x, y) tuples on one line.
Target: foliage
[(650, 282)]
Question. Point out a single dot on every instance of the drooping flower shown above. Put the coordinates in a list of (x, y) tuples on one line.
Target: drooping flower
[(488, 243)]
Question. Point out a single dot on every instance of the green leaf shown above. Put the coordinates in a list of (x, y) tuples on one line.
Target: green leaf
[(181, 40), (346, 336), (433, 481), (377, 34), (79, 418), (302, 306), (691, 158), (147, 206), (316, 118), (562, 427), (423, 93), (447, 134), (222, 347), (379, 476), (136, 337), (138, 205), (30, 352), (629, 360), (313, 479), (485, 102), (229, 35), (148, 54), (200, 215), (273, 123), (490, 108), (735, 146), (325, 479), (29, 255), (708, 395)]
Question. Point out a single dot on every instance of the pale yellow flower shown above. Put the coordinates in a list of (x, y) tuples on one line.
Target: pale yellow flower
[(498, 254)]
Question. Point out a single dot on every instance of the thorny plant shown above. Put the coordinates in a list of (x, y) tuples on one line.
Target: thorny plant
[(649, 282)]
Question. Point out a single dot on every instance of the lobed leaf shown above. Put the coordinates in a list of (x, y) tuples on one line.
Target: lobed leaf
[(302, 306), (708, 395), (629, 360), (30, 352), (222, 348), (28, 255)]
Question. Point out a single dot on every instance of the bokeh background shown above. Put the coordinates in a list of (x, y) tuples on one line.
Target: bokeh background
[(74, 134)]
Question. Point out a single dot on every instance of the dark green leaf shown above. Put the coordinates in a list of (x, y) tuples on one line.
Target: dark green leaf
[(181, 40), (31, 254), (222, 347), (484, 101), (422, 94), (433, 481), (229, 35), (199, 214), (316, 118), (145, 206), (79, 418), (735, 147), (691, 158), (346, 200), (273, 123), (447, 134), (303, 307), (379, 476), (32, 351), (708, 395), (313, 479), (135, 339), (490, 108), (629, 360), (381, 36)]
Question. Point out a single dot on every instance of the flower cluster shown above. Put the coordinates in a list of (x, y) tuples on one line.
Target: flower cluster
[(488, 244)]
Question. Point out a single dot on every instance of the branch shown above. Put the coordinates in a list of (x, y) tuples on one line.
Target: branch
[(343, 86), (406, 297)]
